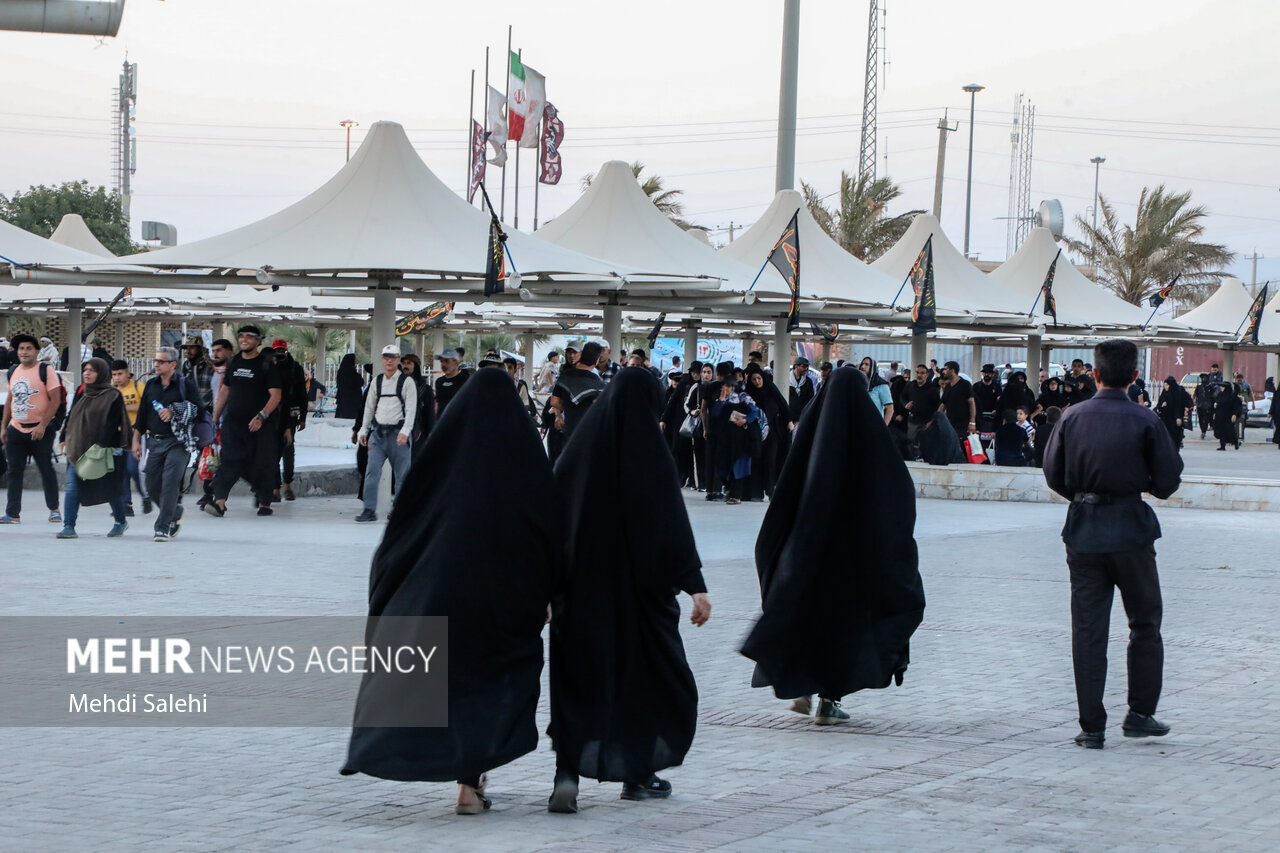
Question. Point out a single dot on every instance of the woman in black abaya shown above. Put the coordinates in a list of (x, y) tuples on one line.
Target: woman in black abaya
[(1227, 411), (623, 700), (773, 452), (350, 388), (1171, 406), (438, 557), (837, 619)]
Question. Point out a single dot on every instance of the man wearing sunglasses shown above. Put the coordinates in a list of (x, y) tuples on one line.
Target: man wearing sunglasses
[(167, 456)]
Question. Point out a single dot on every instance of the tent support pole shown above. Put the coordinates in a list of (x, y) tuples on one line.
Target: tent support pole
[(1033, 358), (1045, 355), (826, 353), (75, 329), (781, 355), (975, 359), (613, 330), (919, 352), (320, 355), (437, 347), (1228, 363), (690, 343), (527, 346)]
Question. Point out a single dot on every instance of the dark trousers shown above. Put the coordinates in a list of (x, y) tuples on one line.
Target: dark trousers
[(287, 455), (1094, 578), (19, 447), (167, 461), (133, 476), (251, 455)]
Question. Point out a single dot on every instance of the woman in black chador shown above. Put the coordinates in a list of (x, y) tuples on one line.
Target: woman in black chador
[(441, 556), (773, 452), (623, 700), (1227, 411), (347, 399), (1172, 406), (836, 618)]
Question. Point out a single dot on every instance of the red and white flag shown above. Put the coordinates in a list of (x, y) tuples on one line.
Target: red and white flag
[(526, 98)]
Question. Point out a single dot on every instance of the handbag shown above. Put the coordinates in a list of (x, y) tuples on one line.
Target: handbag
[(691, 424), (209, 462), (973, 448), (97, 462)]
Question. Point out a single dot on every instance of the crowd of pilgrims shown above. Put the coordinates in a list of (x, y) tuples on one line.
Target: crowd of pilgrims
[(623, 700)]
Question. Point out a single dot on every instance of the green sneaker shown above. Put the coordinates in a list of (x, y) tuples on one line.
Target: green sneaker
[(830, 713), (118, 529), (68, 532)]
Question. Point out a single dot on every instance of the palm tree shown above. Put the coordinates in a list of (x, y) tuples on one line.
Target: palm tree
[(1164, 242), (667, 201), (860, 221)]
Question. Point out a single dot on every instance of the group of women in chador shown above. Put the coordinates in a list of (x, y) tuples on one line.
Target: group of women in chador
[(623, 699)]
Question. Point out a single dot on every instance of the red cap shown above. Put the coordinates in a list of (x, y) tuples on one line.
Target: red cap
[(279, 343)]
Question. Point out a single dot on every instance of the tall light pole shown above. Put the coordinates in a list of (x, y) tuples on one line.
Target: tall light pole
[(1097, 170), (785, 176), (973, 89), (348, 124)]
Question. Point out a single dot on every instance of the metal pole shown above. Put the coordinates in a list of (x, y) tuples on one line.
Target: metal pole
[(515, 213), (75, 328), (1097, 171), (502, 204), (613, 330), (919, 351), (471, 120), (321, 354), (781, 355), (690, 343), (973, 89), (786, 166), (486, 108), (1033, 360), (527, 345), (943, 129), (975, 358)]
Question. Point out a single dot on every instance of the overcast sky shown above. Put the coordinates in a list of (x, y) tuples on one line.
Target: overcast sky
[(239, 101)]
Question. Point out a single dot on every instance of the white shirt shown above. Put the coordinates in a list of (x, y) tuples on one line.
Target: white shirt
[(48, 355), (387, 409)]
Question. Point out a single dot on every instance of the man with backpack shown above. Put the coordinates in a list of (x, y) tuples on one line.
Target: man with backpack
[(33, 414), (168, 400), (389, 412)]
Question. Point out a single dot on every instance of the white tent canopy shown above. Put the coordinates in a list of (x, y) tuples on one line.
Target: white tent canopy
[(22, 247), (74, 232), (827, 272), (961, 288), (1224, 311), (1081, 303), (384, 210), (614, 219)]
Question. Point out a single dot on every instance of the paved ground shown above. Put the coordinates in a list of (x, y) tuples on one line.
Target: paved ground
[(1257, 457), (972, 753)]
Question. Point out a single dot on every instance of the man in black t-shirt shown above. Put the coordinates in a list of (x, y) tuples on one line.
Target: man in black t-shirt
[(448, 384), (986, 397), (957, 401), (247, 410), (922, 401), (576, 389)]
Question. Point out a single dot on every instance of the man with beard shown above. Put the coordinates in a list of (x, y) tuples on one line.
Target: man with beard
[(1103, 454), (986, 398), (575, 391), (293, 408), (803, 387), (496, 608), (219, 353), (957, 401), (198, 369), (451, 380), (623, 699), (836, 620), (921, 403), (246, 406), (1082, 384)]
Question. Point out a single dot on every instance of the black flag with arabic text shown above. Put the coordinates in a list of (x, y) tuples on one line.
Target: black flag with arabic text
[(422, 319), (1051, 304), (1157, 299), (657, 329), (1254, 318), (924, 305), (827, 331), (495, 269), (785, 257)]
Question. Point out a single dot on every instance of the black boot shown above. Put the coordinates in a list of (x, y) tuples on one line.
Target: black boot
[(564, 793)]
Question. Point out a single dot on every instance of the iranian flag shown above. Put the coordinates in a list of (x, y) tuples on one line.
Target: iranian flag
[(526, 99)]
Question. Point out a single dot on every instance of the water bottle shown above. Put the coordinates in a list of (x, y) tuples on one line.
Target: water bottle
[(155, 404)]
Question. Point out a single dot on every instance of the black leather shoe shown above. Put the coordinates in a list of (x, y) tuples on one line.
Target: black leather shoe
[(564, 794), (1091, 740), (1141, 725), (654, 789)]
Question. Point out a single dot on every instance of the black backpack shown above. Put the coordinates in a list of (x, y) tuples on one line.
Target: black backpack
[(400, 380), (60, 415)]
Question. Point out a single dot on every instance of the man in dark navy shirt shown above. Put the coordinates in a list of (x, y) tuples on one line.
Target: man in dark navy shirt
[(1103, 454)]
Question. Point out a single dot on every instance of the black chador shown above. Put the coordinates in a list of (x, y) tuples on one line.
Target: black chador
[(448, 551), (623, 699), (837, 616)]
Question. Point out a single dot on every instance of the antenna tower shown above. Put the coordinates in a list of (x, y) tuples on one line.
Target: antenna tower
[(124, 147), (1025, 215), (867, 151)]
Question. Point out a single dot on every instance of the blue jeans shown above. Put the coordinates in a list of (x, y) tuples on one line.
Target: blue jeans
[(73, 499), (385, 447)]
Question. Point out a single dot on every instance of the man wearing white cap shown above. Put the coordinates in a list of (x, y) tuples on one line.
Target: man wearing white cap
[(389, 410), (48, 352)]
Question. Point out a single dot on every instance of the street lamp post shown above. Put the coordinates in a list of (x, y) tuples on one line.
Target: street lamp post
[(1097, 170), (973, 89), (348, 124)]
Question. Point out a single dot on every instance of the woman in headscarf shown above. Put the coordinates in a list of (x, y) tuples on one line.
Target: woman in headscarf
[(673, 415), (1227, 410), (773, 451), (425, 419), (437, 558), (693, 405), (836, 620), (1172, 406), (735, 428), (350, 388), (1052, 395), (878, 388), (1016, 394), (98, 427), (623, 699)]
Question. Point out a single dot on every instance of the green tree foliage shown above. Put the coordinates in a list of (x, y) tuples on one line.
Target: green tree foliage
[(41, 208), (1164, 242), (860, 221)]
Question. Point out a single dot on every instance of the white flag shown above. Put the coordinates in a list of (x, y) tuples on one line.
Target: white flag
[(535, 90), (497, 121)]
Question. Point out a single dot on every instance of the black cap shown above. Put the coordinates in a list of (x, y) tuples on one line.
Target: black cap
[(988, 368), (249, 330)]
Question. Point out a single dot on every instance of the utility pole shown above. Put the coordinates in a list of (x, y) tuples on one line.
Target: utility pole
[(944, 127), (731, 226), (1097, 172), (973, 89), (785, 176), (1253, 280), (348, 124), (867, 150)]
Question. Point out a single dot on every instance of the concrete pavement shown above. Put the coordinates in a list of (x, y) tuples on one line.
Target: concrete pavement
[(972, 753)]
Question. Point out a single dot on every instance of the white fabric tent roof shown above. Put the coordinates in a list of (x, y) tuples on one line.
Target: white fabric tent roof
[(384, 210), (22, 247), (961, 287), (826, 270), (1224, 311), (74, 232), (1080, 301), (614, 219)]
